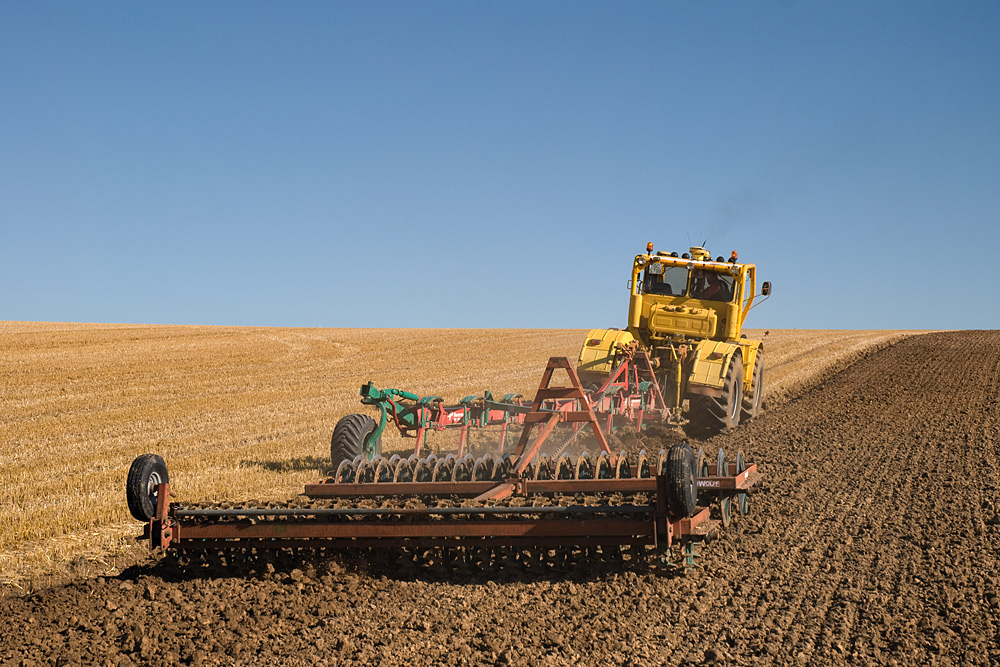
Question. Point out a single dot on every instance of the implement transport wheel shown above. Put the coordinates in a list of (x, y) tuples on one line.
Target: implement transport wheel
[(753, 400), (682, 481), (710, 415), (146, 473), (350, 436)]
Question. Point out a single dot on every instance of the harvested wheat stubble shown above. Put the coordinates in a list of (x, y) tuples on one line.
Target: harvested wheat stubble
[(875, 540), (238, 413)]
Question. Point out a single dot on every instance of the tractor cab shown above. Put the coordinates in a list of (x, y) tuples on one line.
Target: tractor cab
[(689, 295)]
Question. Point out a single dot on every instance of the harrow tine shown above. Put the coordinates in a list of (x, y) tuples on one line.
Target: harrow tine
[(345, 472)]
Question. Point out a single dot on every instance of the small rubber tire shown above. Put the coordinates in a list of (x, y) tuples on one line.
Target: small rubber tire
[(752, 402), (144, 475), (349, 436), (682, 481)]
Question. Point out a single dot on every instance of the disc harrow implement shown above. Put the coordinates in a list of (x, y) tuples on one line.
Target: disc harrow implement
[(629, 397), (521, 499)]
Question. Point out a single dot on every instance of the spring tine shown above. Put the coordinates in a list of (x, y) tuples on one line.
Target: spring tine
[(364, 473), (345, 473)]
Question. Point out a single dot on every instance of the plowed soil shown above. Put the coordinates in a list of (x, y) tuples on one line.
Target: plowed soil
[(874, 540)]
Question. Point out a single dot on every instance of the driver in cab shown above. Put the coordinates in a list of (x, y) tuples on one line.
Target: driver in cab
[(709, 285)]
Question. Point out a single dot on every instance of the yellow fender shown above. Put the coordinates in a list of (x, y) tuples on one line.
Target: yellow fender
[(711, 365), (750, 349), (597, 355)]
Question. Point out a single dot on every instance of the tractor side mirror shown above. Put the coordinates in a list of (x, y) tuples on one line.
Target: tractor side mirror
[(765, 289)]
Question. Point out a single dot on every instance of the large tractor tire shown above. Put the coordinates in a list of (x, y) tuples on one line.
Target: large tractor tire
[(146, 473), (753, 401), (349, 435), (682, 481), (710, 415)]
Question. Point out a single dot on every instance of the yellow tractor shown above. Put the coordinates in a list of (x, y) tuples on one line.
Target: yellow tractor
[(687, 312)]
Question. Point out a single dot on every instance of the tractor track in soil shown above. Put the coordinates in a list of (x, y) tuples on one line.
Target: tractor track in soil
[(875, 539)]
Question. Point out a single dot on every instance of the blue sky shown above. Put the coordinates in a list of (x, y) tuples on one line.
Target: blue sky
[(495, 164)]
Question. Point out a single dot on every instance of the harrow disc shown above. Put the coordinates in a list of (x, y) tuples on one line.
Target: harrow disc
[(443, 469), (702, 463), (545, 470), (462, 471), (743, 499), (502, 469), (364, 473), (726, 505), (604, 468), (423, 471), (384, 469), (624, 469), (404, 471), (642, 468), (483, 469), (564, 467)]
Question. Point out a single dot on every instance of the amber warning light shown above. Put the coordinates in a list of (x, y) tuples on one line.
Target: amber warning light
[(649, 247)]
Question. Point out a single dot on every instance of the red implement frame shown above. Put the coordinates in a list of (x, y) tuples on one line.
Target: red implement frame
[(637, 525)]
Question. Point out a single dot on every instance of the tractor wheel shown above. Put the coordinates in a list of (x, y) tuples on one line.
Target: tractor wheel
[(146, 473), (710, 415), (682, 481), (753, 401), (349, 436)]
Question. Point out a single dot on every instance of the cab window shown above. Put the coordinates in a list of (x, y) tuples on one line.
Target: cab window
[(665, 280)]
